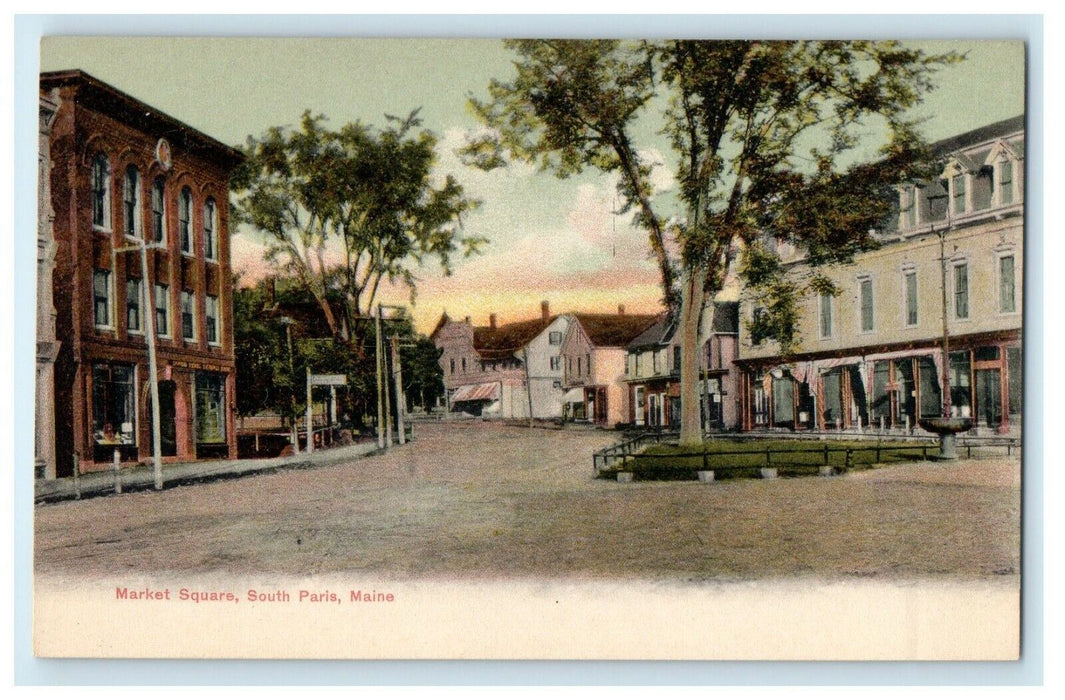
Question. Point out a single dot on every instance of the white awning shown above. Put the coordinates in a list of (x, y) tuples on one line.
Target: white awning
[(574, 395)]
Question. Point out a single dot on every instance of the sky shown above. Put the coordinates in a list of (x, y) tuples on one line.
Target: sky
[(549, 239)]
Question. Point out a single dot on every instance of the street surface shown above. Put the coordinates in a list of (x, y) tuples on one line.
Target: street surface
[(483, 501)]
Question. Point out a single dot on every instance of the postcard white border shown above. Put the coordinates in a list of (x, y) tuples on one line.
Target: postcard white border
[(30, 670)]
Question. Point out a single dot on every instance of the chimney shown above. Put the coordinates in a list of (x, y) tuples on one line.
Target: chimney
[(621, 309), (492, 321), (545, 310), (468, 320)]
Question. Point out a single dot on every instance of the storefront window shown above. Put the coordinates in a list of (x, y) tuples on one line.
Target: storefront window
[(210, 408), (833, 409), (931, 396), (783, 402), (907, 403), (859, 406), (1016, 380), (881, 398), (114, 413), (961, 393)]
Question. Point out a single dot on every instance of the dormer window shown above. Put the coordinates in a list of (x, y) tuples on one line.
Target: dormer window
[(958, 193), (936, 199), (982, 188), (907, 208), (1005, 182), (1003, 158)]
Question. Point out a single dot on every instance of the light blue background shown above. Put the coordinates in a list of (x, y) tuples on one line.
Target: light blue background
[(29, 670)]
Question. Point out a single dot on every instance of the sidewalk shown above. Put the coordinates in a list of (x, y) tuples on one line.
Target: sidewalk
[(141, 477)]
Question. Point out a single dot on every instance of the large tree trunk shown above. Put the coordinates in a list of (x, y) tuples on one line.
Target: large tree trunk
[(692, 302)]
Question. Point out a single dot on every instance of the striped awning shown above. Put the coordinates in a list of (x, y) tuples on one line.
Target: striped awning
[(477, 392)]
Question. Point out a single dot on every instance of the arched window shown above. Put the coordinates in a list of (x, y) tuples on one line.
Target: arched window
[(210, 236), (159, 209), (185, 219), (101, 191), (131, 202)]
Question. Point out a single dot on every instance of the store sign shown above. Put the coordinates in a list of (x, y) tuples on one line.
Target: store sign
[(327, 380)]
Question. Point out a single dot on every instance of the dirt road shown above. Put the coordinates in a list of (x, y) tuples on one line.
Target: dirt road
[(478, 500)]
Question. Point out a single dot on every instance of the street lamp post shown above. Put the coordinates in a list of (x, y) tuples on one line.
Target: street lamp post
[(947, 427)]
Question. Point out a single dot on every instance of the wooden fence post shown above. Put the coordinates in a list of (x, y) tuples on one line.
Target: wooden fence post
[(77, 478), (116, 465)]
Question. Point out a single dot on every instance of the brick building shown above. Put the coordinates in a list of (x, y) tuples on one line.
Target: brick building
[(123, 171)]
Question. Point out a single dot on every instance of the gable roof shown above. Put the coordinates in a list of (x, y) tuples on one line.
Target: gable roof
[(444, 318), (658, 334), (503, 341), (613, 330), (726, 319)]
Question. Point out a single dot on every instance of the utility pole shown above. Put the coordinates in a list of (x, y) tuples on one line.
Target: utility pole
[(380, 398), (528, 382), (401, 404), (310, 415), (946, 337), (388, 400), (149, 332), (294, 436)]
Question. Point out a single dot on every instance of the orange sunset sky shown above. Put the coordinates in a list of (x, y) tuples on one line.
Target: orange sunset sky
[(549, 239)]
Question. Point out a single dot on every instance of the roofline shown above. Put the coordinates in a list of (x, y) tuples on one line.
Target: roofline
[(1002, 129), (575, 315), (137, 110)]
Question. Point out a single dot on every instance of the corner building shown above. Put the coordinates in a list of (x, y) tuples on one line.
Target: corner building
[(123, 172), (872, 356)]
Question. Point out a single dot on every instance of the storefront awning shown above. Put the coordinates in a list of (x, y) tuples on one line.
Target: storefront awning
[(574, 395), (477, 392)]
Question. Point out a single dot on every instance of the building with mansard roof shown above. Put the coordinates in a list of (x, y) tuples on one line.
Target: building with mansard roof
[(872, 356)]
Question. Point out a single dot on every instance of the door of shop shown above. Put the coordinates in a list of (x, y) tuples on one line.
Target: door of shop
[(167, 418), (988, 397)]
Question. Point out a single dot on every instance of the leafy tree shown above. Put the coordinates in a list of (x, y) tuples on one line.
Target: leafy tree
[(764, 135), (360, 195), (262, 381), (423, 377), (268, 379)]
